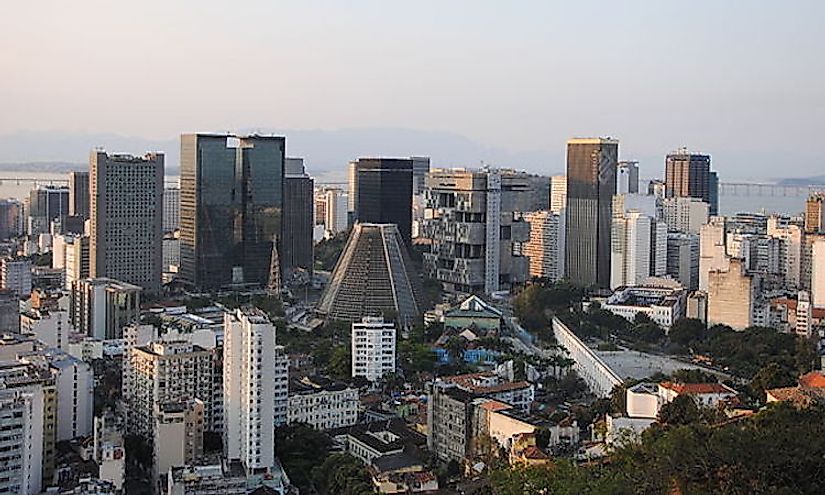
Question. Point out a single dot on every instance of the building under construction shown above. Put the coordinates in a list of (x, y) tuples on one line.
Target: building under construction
[(373, 277)]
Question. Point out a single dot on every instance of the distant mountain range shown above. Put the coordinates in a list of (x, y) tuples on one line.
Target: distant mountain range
[(323, 150)]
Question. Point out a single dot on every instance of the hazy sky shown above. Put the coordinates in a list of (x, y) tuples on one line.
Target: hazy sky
[(743, 80)]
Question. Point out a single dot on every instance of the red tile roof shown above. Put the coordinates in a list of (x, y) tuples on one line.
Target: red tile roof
[(697, 388), (814, 379)]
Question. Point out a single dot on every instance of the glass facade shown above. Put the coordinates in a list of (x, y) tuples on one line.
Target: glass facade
[(384, 192), (591, 184), (231, 205)]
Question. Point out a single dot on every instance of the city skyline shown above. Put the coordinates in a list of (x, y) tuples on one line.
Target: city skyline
[(521, 80)]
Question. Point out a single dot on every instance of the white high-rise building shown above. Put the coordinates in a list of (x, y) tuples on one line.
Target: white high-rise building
[(627, 177), (248, 395), (335, 219), (373, 348), (126, 218), (645, 204), (77, 259), (21, 434), (818, 274), (16, 275), (630, 249), (558, 193), (713, 254), (803, 314), (684, 214), (790, 250), (546, 245)]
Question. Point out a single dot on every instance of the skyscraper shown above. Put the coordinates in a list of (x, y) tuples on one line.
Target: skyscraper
[(11, 218), (297, 227), (231, 207), (591, 184), (638, 249), (171, 209), (126, 211), (384, 189), (688, 175), (79, 194), (627, 177), (815, 214), (46, 203)]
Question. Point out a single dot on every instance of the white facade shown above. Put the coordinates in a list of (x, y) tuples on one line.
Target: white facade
[(627, 177), (335, 211), (558, 194), (713, 253), (77, 259), (74, 380), (248, 394), (546, 245), (21, 433), (600, 379), (790, 250), (109, 450), (373, 348), (50, 327), (636, 247), (663, 305), (818, 274), (323, 407), (685, 214), (16, 275)]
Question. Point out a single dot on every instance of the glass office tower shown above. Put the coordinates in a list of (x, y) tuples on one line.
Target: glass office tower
[(231, 208)]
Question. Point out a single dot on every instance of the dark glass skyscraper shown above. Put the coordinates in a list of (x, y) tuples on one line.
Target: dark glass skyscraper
[(231, 208), (688, 175), (79, 194), (591, 184), (299, 198), (384, 189)]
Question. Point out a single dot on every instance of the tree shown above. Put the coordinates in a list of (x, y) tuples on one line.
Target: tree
[(687, 331), (680, 411), (340, 363), (693, 376), (455, 346), (342, 474), (770, 376), (300, 448)]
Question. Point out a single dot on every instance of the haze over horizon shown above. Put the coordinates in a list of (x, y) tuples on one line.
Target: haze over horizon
[(462, 81)]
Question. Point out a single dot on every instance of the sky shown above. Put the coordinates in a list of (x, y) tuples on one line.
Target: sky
[(744, 81)]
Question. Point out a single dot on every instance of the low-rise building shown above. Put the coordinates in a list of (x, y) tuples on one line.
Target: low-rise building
[(519, 394), (663, 301), (322, 403), (178, 435)]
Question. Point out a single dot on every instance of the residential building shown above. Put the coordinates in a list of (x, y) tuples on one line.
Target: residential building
[(790, 250), (21, 431), (51, 327), (685, 214), (77, 259), (449, 421), (373, 277), (322, 403), (713, 254), (383, 191), (519, 394), (126, 212), (627, 177), (171, 209), (16, 276), (591, 184), (331, 210), (683, 259), (558, 194), (178, 435), (545, 249), (476, 229), (373, 348), (296, 252), (9, 312), (731, 296), (663, 301), (231, 208), (163, 372), (109, 450), (806, 260), (101, 307), (79, 199), (818, 274), (688, 175), (209, 476), (248, 395)]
